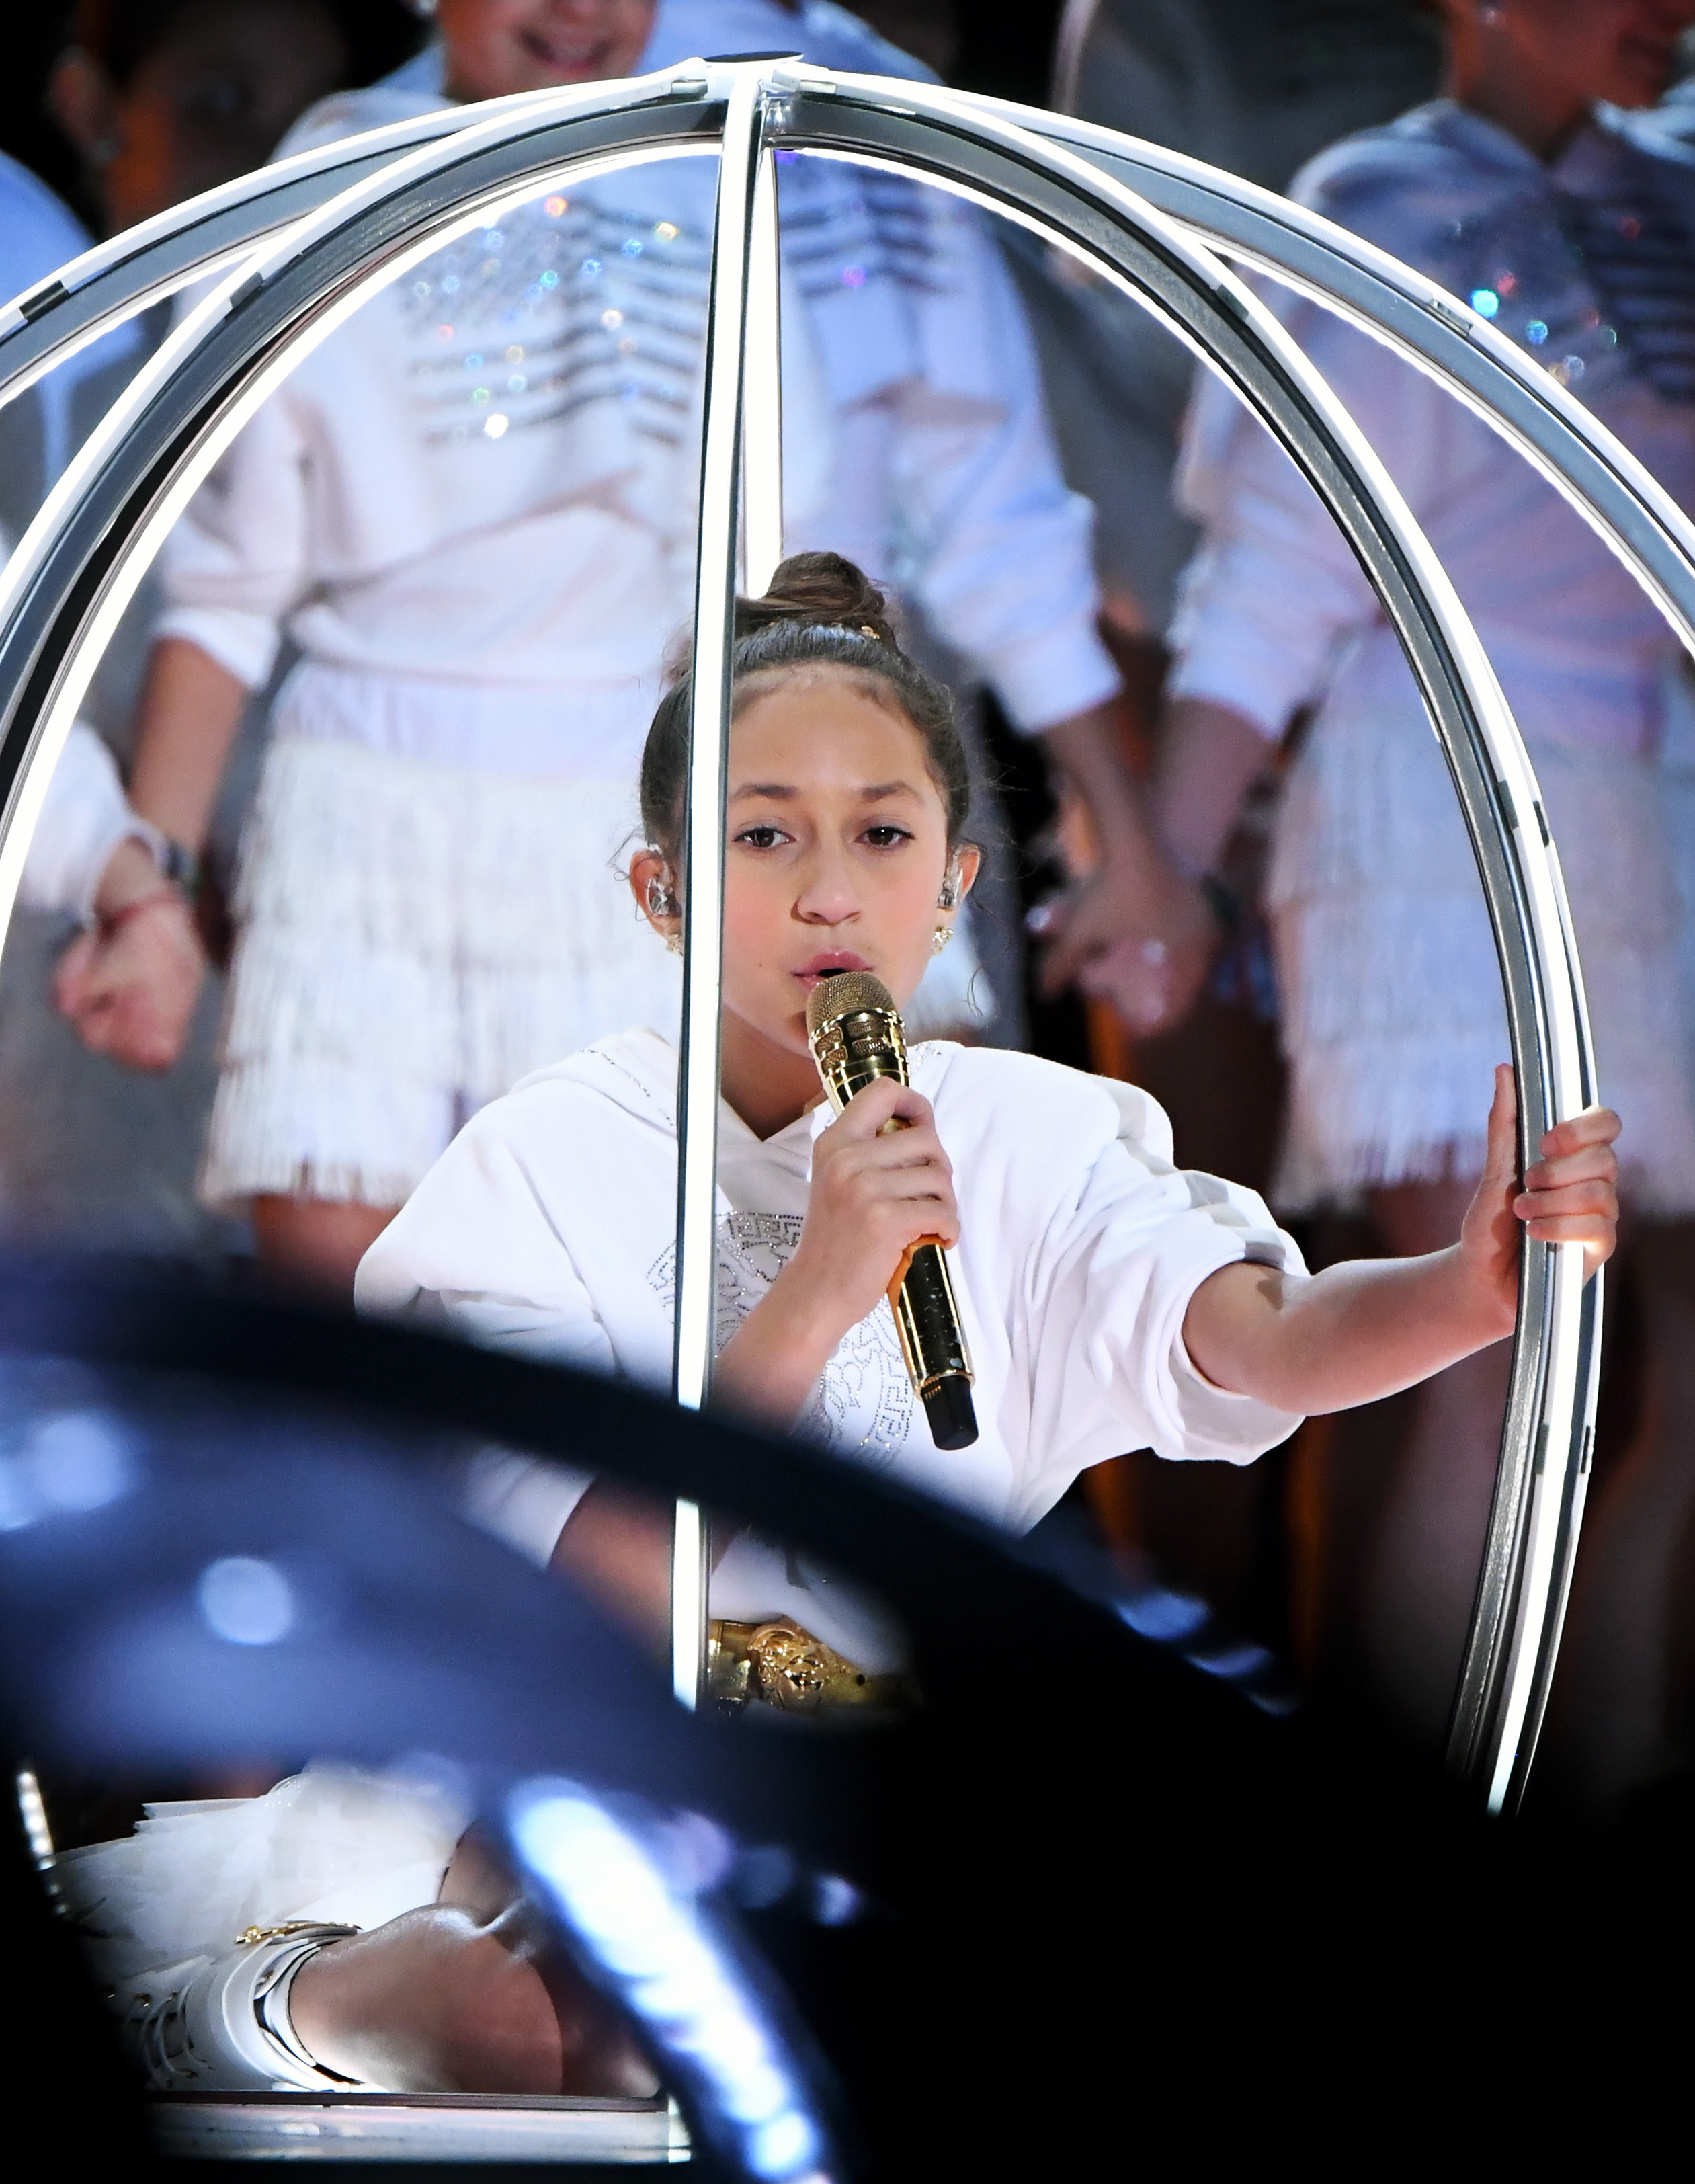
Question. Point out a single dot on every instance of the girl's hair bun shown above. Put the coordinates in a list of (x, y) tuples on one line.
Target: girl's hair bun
[(820, 612), (819, 591)]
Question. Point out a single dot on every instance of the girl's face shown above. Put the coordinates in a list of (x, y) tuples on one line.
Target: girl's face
[(496, 48), (836, 852)]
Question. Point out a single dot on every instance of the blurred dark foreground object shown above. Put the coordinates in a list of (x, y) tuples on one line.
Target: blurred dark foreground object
[(1106, 1902)]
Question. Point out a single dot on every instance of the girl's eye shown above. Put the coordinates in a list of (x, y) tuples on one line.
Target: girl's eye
[(762, 837), (886, 837)]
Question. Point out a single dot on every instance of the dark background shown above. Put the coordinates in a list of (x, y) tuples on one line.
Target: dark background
[(381, 34), (1006, 50)]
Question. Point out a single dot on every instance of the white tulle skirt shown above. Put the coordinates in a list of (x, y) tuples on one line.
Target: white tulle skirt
[(1394, 1017), (333, 1845)]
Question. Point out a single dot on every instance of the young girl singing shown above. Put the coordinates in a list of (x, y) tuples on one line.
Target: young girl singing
[(1111, 1301)]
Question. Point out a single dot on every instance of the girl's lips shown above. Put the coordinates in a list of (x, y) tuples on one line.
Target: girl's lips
[(827, 966)]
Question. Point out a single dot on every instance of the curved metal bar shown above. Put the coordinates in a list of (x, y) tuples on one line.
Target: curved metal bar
[(76, 567), (1419, 321), (151, 261), (157, 257), (189, 402), (698, 1069), (963, 146), (1391, 302)]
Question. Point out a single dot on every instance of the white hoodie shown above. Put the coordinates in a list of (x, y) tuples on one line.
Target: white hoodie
[(548, 1228)]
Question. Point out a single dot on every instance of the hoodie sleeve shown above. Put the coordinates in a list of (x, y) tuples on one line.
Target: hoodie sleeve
[(474, 1251), (1003, 550), (236, 562), (1130, 1241), (83, 820), (1274, 593)]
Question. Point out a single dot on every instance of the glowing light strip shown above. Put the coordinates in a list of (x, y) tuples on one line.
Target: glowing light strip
[(762, 395), (653, 1948)]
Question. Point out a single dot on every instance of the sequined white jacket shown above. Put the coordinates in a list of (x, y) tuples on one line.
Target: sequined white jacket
[(1274, 612), (488, 475)]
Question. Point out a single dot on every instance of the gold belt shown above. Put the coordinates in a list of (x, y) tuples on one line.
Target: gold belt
[(780, 1664)]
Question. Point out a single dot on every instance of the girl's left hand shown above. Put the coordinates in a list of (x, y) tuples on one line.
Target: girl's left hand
[(1570, 1195)]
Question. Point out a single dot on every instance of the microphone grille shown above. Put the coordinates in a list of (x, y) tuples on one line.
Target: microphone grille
[(846, 995)]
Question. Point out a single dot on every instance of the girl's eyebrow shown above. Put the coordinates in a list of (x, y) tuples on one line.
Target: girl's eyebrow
[(780, 792)]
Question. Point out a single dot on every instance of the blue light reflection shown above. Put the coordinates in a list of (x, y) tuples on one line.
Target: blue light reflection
[(646, 1937)]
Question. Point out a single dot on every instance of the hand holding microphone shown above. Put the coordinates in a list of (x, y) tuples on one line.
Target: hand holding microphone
[(875, 1191), (859, 1044), (880, 1182), (880, 1211)]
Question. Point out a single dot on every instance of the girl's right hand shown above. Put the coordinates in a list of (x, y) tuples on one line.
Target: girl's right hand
[(872, 1197)]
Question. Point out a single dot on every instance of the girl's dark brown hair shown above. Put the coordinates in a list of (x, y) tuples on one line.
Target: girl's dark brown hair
[(819, 610)]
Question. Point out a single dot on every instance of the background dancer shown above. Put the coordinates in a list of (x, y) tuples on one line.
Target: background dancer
[(141, 102), (482, 547), (1576, 243)]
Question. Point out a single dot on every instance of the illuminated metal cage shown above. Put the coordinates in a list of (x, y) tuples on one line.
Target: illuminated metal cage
[(297, 247)]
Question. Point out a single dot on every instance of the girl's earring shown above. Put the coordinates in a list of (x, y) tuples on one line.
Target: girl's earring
[(661, 903), (423, 8), (948, 898)]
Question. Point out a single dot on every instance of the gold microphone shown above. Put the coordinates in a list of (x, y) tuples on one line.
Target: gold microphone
[(857, 1036)]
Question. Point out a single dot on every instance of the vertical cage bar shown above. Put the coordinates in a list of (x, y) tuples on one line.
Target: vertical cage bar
[(703, 875), (762, 397)]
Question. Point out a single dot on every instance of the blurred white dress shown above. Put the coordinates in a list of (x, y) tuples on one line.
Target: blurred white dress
[(1390, 993)]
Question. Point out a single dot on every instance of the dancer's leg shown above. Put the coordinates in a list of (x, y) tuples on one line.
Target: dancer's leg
[(317, 1240), (1423, 1571)]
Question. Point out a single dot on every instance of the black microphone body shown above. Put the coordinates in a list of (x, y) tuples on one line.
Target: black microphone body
[(857, 1036)]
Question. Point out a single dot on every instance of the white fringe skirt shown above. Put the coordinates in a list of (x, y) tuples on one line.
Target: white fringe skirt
[(413, 939), (1392, 1012)]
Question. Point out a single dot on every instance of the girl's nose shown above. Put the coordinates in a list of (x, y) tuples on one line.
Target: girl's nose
[(826, 894)]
